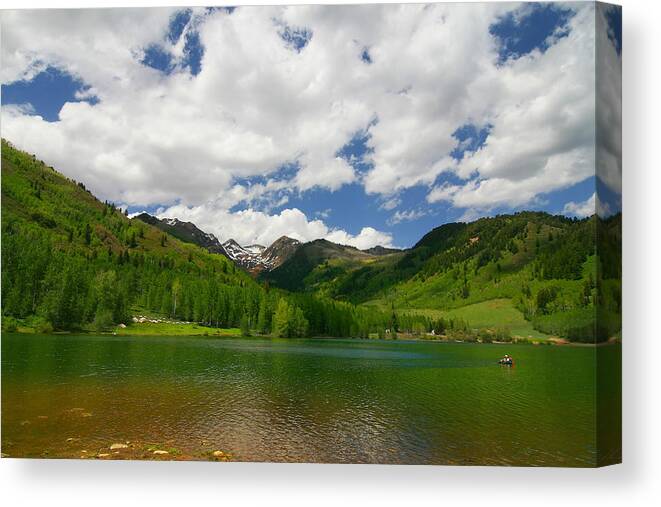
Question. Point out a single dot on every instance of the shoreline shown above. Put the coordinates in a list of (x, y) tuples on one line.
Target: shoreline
[(125, 450), (553, 341)]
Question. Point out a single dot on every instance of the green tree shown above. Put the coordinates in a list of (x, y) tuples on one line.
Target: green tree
[(280, 324), (298, 324), (263, 317), (545, 296), (176, 291), (245, 325)]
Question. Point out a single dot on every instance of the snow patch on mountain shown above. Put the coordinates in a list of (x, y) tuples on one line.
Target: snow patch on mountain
[(257, 258), (256, 249)]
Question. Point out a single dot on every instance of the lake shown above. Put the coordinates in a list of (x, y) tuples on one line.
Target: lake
[(314, 400)]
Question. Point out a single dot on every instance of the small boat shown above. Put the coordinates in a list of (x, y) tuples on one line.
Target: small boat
[(506, 361)]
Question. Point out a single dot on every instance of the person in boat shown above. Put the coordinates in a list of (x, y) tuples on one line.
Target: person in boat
[(507, 360)]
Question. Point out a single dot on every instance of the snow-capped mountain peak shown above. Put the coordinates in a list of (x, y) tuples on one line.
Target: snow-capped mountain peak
[(256, 258)]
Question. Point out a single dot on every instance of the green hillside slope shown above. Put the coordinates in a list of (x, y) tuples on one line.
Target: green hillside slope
[(319, 262), (71, 262), (544, 265)]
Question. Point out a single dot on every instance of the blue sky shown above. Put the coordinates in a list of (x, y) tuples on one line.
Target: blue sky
[(370, 192), (47, 92)]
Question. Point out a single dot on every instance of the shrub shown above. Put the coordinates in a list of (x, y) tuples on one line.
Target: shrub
[(43, 327), (545, 296), (484, 336), (576, 325), (9, 324), (503, 334), (102, 320)]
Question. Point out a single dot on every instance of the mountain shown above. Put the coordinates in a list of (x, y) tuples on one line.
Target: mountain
[(462, 263), (184, 231), (533, 270), (299, 271), (279, 251), (71, 262), (257, 258), (252, 258), (249, 258)]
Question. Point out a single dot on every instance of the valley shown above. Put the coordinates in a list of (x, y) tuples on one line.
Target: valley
[(71, 263)]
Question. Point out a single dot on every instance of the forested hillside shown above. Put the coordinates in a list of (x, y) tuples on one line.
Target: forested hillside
[(551, 246), (545, 265), (316, 262), (184, 231), (71, 262)]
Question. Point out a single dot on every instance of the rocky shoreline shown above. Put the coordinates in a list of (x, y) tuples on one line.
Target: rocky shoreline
[(126, 451)]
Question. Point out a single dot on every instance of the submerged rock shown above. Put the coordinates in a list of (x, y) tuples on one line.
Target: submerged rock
[(159, 452), (118, 446)]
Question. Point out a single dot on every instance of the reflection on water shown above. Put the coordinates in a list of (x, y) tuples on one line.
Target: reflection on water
[(301, 400)]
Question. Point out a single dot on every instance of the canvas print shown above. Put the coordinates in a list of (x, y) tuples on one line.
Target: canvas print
[(331, 234)]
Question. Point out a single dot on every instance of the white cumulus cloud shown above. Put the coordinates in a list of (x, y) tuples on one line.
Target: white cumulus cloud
[(588, 207), (581, 209), (406, 216), (249, 226), (258, 104)]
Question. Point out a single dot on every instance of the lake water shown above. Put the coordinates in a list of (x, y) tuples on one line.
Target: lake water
[(347, 401)]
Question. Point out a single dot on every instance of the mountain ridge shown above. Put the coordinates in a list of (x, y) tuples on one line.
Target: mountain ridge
[(187, 232), (70, 259), (252, 258), (71, 262), (295, 272), (255, 258)]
